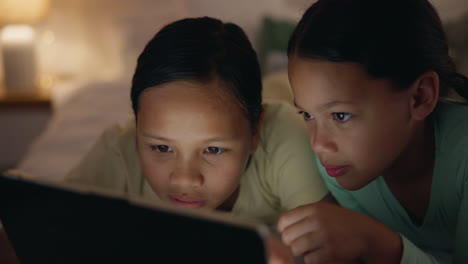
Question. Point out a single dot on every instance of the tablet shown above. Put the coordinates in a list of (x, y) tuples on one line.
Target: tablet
[(53, 222)]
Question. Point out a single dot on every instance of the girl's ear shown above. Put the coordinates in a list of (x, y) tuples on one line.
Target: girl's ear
[(256, 136), (424, 95)]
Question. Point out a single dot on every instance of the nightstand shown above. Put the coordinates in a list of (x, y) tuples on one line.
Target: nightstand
[(22, 117)]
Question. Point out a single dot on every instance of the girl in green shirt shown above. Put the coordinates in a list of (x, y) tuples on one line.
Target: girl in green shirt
[(367, 77)]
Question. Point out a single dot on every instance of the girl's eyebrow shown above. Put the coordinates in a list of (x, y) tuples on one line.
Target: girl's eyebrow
[(155, 137), (297, 106), (220, 139), (213, 139), (332, 104), (326, 105)]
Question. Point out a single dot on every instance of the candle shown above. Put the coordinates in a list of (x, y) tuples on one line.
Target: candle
[(19, 62)]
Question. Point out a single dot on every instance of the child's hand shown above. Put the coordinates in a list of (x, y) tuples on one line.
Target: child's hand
[(324, 232), (278, 253)]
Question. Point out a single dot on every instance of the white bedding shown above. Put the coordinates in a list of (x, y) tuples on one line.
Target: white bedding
[(79, 120), (74, 127)]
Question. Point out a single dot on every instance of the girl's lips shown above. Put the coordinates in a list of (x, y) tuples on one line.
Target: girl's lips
[(187, 201), (334, 171)]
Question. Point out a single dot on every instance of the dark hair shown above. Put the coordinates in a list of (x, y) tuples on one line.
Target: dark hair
[(202, 49), (394, 39)]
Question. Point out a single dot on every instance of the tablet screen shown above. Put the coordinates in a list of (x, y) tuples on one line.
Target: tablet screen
[(53, 223)]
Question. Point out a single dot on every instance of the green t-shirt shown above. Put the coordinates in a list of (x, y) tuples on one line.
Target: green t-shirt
[(444, 232), (281, 174)]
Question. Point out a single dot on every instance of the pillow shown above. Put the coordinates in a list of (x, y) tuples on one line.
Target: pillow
[(274, 38), (75, 126), (457, 35)]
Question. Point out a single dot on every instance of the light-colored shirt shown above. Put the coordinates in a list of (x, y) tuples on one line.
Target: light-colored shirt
[(443, 234), (281, 174)]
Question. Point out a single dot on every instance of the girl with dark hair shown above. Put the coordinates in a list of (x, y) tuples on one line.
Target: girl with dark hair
[(201, 137), (370, 79)]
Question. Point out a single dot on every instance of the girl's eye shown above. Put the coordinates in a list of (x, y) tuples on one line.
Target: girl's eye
[(306, 115), (161, 148), (341, 117), (214, 150)]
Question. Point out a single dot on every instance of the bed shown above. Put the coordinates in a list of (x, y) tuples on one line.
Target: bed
[(94, 55), (84, 106)]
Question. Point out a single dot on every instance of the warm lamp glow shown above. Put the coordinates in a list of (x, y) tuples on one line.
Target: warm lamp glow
[(18, 43), (17, 34), (19, 61), (23, 11)]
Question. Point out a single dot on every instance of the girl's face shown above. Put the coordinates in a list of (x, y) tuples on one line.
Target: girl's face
[(193, 144), (358, 125)]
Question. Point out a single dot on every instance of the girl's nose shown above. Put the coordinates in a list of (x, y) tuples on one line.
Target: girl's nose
[(185, 175), (321, 141)]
